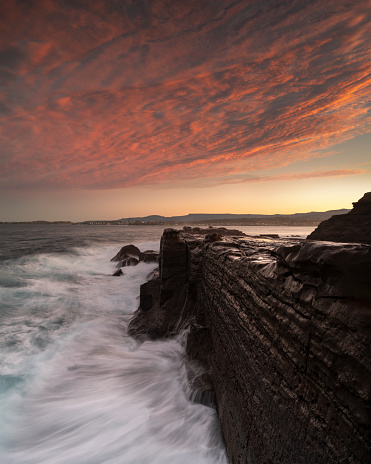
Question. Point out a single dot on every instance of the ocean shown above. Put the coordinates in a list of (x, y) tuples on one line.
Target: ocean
[(74, 387)]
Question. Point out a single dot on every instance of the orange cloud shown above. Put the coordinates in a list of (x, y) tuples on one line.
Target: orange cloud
[(107, 95), (302, 175)]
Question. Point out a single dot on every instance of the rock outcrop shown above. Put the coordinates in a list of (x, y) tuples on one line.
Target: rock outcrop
[(283, 330), (130, 255), (127, 251), (354, 227)]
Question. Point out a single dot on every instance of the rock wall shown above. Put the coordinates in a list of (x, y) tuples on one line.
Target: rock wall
[(354, 226), (283, 330)]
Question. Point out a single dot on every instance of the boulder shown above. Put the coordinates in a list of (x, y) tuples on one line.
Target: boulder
[(150, 256), (128, 251)]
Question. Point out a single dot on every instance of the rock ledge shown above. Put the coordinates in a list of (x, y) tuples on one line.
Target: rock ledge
[(283, 329)]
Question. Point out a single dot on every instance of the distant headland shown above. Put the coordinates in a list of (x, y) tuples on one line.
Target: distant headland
[(298, 219)]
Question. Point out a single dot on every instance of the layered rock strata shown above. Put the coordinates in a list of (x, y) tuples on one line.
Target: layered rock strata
[(283, 329), (354, 226)]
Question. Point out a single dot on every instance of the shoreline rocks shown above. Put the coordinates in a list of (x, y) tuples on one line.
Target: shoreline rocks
[(211, 230), (353, 227), (283, 330), (130, 255)]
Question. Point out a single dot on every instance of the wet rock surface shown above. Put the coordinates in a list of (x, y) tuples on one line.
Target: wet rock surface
[(128, 251), (283, 330), (118, 273), (150, 256), (130, 255), (128, 261), (354, 226)]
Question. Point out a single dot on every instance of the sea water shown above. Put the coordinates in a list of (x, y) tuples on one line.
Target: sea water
[(74, 387)]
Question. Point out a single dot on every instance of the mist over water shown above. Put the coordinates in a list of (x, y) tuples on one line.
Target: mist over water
[(74, 387)]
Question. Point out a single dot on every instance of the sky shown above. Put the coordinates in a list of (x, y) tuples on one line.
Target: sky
[(119, 108)]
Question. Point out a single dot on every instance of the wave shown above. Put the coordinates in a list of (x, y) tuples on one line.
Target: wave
[(74, 387)]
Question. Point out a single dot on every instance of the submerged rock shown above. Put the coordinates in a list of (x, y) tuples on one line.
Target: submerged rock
[(118, 273), (353, 227)]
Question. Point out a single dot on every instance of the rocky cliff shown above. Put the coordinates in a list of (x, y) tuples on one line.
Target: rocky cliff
[(283, 330), (354, 226)]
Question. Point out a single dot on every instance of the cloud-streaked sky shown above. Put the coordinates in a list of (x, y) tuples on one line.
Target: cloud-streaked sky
[(146, 104)]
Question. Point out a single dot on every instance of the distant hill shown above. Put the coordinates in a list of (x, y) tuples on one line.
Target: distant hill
[(189, 218)]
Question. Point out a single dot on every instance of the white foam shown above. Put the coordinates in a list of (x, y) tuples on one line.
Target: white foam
[(88, 393)]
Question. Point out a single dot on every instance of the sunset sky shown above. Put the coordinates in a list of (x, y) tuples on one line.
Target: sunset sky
[(119, 108)]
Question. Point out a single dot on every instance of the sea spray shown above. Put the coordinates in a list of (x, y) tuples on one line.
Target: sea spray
[(75, 387)]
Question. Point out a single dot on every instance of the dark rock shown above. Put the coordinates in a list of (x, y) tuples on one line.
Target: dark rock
[(171, 233), (215, 230), (150, 256), (202, 390), (149, 294), (213, 237), (128, 251), (283, 330), (118, 273), (169, 291), (130, 255), (353, 227), (128, 261)]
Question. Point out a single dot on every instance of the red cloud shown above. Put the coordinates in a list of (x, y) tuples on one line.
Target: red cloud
[(95, 97), (301, 175)]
